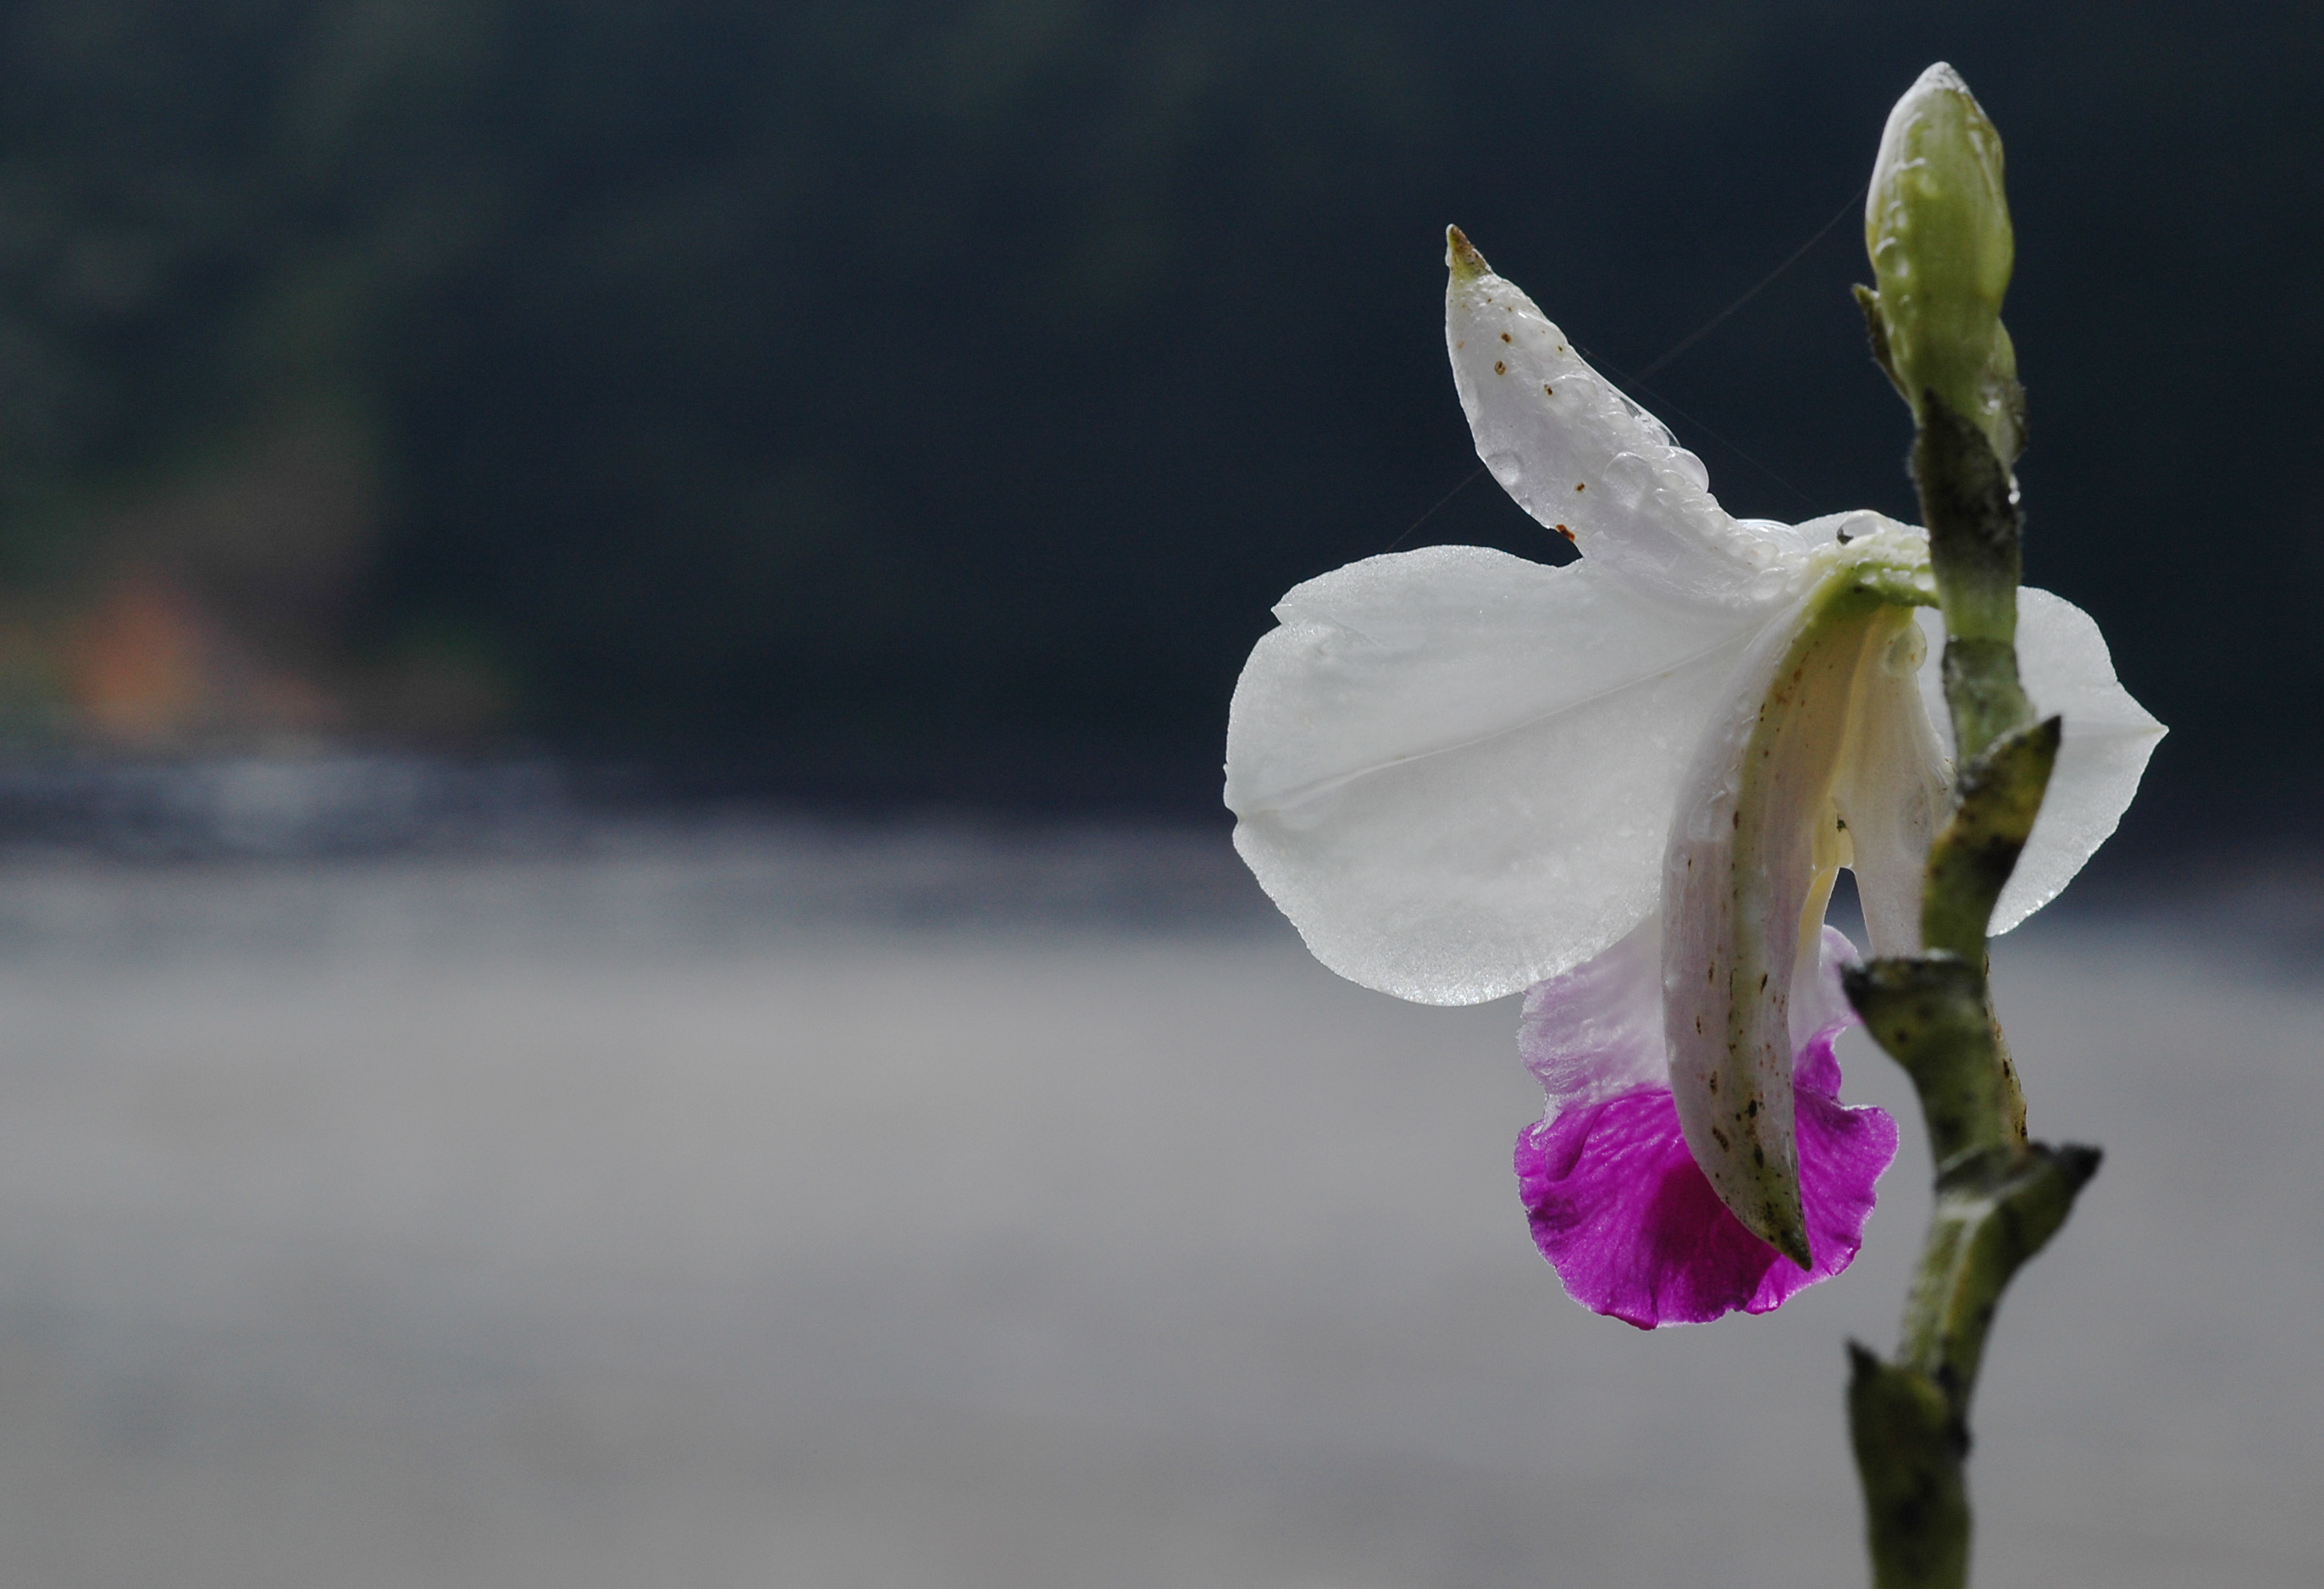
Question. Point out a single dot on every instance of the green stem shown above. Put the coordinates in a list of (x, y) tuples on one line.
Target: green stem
[(1931, 1017), (1909, 1447), (1993, 1213), (1997, 795), (1971, 505), (1999, 1198), (1908, 1418)]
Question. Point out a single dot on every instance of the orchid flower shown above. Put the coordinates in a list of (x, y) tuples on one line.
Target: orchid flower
[(1628, 785)]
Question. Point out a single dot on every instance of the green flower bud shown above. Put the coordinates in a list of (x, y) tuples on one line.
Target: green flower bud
[(1936, 224)]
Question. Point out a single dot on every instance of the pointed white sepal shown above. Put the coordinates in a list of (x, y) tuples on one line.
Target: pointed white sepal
[(1591, 464)]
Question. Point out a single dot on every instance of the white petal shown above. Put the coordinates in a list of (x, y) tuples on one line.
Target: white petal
[(2063, 661), (1894, 792), (1818, 1003), (1455, 769), (1591, 463), (1597, 1030)]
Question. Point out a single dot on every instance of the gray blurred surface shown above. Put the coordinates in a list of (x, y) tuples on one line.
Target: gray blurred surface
[(932, 1210)]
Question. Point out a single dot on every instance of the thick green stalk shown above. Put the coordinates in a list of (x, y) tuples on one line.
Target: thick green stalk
[(2000, 794), (1938, 231), (1909, 1446), (1999, 1198), (1970, 506)]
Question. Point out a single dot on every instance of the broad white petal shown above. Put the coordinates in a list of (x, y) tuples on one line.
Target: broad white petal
[(1591, 463), (2066, 669), (1455, 769)]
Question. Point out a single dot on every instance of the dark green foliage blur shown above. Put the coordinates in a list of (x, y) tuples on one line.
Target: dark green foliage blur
[(903, 386)]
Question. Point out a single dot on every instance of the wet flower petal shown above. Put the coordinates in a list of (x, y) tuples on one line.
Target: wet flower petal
[(1589, 463), (1456, 770)]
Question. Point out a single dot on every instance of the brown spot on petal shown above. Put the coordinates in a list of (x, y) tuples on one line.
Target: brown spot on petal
[(1562, 530), (1505, 336), (1499, 368), (1720, 1138), (1578, 485), (1547, 391)]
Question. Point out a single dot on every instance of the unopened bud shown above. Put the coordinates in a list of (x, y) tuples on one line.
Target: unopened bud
[(1936, 224)]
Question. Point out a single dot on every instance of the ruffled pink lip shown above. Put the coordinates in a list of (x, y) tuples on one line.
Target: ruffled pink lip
[(1617, 1202), (1632, 1226)]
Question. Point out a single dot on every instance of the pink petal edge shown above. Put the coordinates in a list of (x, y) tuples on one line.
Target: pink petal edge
[(1630, 1224)]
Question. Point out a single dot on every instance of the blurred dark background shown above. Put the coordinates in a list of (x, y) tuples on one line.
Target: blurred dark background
[(904, 402)]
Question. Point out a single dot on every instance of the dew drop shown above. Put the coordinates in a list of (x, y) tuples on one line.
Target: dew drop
[(1907, 652)]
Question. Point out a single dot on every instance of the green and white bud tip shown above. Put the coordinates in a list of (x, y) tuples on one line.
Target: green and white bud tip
[(1936, 224)]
